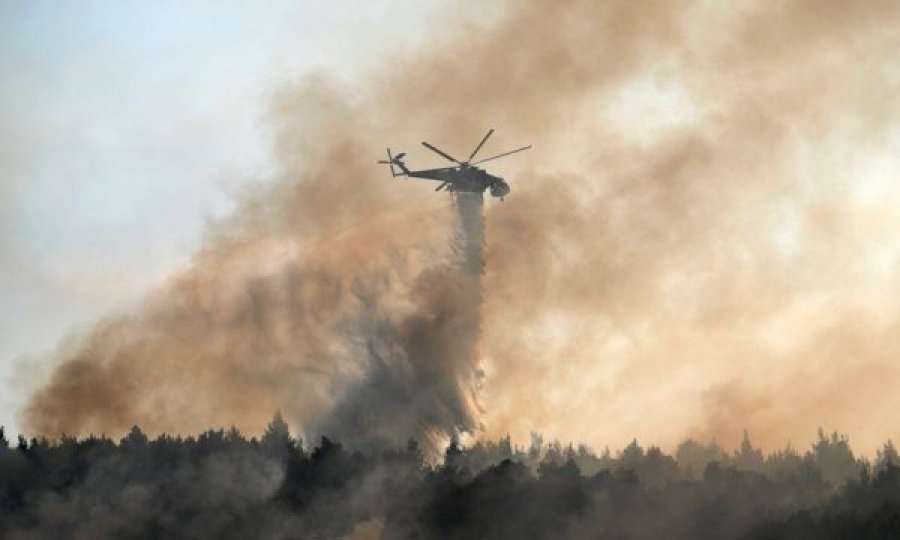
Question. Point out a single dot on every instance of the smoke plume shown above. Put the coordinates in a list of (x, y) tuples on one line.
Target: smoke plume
[(422, 371), (707, 225)]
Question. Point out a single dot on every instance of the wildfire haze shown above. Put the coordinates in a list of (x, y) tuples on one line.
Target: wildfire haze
[(704, 239)]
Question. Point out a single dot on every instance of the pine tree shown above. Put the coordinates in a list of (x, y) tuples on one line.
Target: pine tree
[(277, 441)]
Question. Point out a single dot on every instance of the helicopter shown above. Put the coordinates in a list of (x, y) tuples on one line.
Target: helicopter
[(464, 176)]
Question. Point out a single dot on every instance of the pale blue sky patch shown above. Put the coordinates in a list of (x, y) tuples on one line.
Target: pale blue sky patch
[(124, 126)]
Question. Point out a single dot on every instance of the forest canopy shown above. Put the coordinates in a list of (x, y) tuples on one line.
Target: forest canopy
[(221, 484)]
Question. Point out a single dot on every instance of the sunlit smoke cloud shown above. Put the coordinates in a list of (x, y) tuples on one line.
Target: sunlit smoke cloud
[(704, 239)]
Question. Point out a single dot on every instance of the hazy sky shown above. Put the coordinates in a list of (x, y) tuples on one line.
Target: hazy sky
[(125, 125), (704, 239)]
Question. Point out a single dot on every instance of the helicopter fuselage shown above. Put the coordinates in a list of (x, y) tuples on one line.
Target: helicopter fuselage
[(468, 178)]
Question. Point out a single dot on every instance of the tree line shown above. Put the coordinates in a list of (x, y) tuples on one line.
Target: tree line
[(221, 484)]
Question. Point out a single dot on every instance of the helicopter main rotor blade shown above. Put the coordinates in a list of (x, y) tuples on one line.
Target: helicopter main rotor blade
[(477, 148), (441, 152), (503, 154)]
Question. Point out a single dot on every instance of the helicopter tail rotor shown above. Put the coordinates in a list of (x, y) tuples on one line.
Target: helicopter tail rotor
[(395, 160)]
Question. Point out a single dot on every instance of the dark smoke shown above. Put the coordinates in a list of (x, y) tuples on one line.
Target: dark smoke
[(422, 371), (395, 346)]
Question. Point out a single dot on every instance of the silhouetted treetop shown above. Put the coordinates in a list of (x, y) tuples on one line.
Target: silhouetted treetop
[(219, 484)]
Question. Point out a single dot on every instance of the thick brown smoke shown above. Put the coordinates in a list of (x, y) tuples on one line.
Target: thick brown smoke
[(704, 240)]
